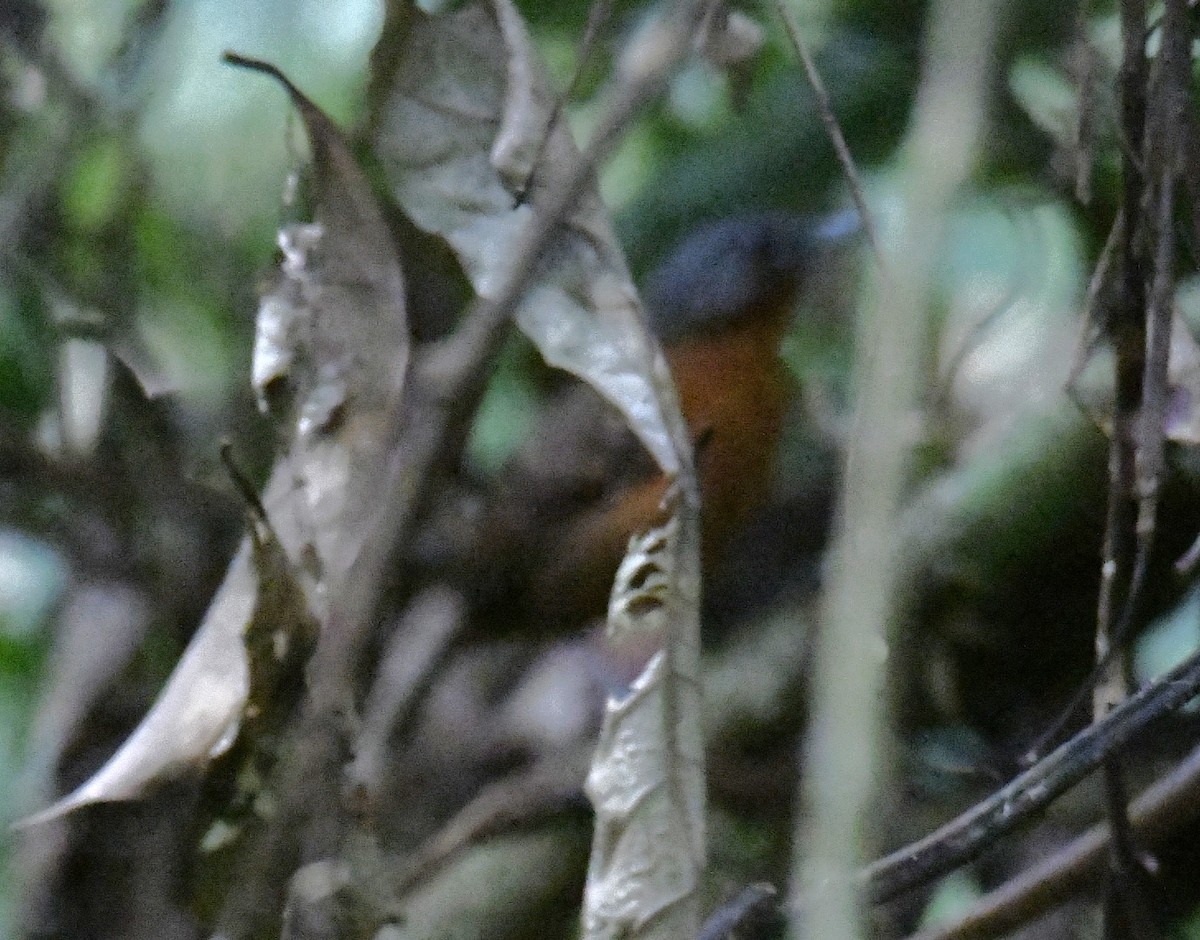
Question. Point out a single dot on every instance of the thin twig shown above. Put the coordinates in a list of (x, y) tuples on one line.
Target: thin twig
[(1120, 578), (241, 482), (1164, 151), (1169, 803), (738, 918), (1127, 328), (1096, 305), (1186, 563), (1167, 144), (598, 16), (1085, 124), (967, 836), (1127, 911), (548, 788), (844, 759), (832, 128), (1097, 311)]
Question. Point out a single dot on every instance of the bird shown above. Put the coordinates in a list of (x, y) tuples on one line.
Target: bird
[(565, 505)]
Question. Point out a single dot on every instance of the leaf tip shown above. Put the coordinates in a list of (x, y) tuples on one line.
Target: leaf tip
[(55, 810), (236, 59), (229, 57)]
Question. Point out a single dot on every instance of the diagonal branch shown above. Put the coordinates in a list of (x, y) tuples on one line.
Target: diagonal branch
[(971, 833), (1171, 801), (833, 129)]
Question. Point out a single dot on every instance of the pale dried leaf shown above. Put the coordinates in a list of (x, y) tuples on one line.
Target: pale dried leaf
[(647, 778), (197, 713), (643, 588), (197, 716), (331, 352), (330, 357), (461, 124)]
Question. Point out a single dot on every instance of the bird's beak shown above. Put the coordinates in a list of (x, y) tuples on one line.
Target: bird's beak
[(837, 228)]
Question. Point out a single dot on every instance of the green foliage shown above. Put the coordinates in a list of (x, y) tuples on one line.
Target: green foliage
[(26, 356), (92, 186)]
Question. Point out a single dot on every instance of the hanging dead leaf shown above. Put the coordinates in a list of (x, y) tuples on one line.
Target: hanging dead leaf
[(188, 726), (645, 585), (647, 778), (330, 356), (330, 359), (463, 120)]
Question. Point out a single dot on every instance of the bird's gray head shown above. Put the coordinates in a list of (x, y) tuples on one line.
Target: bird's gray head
[(736, 266)]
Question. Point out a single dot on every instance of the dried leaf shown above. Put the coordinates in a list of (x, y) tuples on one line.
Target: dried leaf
[(647, 778), (330, 358), (646, 579), (230, 677), (197, 715), (330, 355), (461, 125)]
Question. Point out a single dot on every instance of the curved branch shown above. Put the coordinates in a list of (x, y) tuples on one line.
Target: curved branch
[(1171, 800), (966, 837)]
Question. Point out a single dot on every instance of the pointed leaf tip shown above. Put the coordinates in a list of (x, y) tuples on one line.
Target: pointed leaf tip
[(229, 57)]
